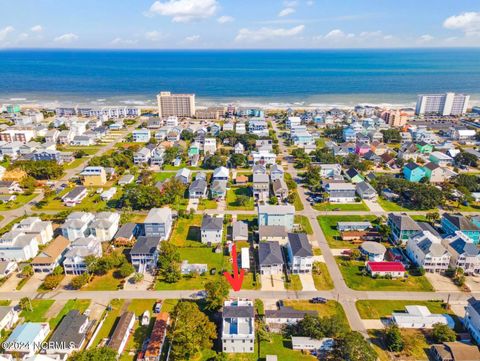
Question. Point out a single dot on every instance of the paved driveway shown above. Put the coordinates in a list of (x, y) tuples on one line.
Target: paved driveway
[(473, 282), (373, 205), (272, 283), (34, 282), (441, 283), (11, 283), (307, 282)]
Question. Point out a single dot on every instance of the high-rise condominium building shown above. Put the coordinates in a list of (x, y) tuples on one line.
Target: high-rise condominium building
[(442, 104), (179, 105)]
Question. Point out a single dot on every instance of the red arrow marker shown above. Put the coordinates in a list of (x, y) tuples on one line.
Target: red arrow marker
[(236, 279)]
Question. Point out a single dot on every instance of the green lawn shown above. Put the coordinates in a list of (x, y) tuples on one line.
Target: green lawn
[(110, 321), (195, 282), (322, 278), (39, 309), (76, 304), (329, 228), (305, 223), (415, 341), (351, 271), (20, 201), (297, 203), (75, 163), (323, 309), (390, 206), (161, 176), (341, 207), (106, 282), (91, 203), (295, 284), (187, 232), (5, 302), (139, 306), (373, 309), (90, 150), (232, 202), (207, 204)]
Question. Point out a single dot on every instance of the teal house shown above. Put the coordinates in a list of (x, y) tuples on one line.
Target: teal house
[(402, 227), (454, 222), (194, 149), (413, 172), (424, 147)]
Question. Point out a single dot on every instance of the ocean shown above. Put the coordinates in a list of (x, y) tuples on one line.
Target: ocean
[(255, 77)]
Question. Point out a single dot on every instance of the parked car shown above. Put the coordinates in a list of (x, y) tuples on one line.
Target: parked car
[(318, 300), (158, 306)]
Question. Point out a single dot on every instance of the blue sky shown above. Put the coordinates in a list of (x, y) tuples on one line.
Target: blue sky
[(186, 24)]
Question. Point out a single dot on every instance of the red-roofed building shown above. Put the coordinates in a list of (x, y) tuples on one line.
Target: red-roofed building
[(383, 269)]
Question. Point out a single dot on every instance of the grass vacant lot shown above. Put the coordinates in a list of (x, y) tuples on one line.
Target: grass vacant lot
[(322, 278), (161, 176), (295, 284), (373, 309), (416, 345), (352, 274), (305, 223), (323, 309), (297, 202), (232, 199), (207, 204), (187, 232), (110, 321), (20, 201), (75, 163), (326, 206), (39, 309), (329, 228), (79, 305), (90, 150), (106, 282), (390, 206)]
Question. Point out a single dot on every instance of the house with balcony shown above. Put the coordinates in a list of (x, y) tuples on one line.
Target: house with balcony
[(426, 250), (464, 253), (74, 262), (452, 222), (471, 320), (75, 196), (211, 229), (51, 256), (105, 225), (77, 225), (413, 172), (300, 254), (261, 187), (238, 327), (141, 135), (158, 223), (270, 258), (144, 254), (402, 227)]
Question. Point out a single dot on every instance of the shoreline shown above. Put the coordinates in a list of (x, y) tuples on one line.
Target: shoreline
[(344, 101)]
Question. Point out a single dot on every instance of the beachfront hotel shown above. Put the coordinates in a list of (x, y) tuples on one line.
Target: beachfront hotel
[(179, 105), (442, 104)]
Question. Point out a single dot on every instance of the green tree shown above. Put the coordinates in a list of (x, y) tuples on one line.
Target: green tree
[(442, 333), (186, 135), (393, 339), (466, 159), (433, 217), (242, 200), (216, 293), (142, 197), (95, 354), (28, 184), (169, 262), (238, 160), (25, 303), (126, 269), (137, 277), (353, 347), (391, 135), (27, 271), (214, 161), (40, 169), (52, 281), (79, 281), (190, 332), (273, 200)]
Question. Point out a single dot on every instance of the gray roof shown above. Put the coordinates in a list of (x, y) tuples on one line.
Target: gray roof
[(69, 329), (145, 245), (270, 253), (240, 229), (74, 193), (428, 227), (272, 231), (238, 311), (461, 222), (261, 178), (300, 245), (198, 185), (427, 246), (4, 310), (279, 184), (210, 223), (126, 231), (404, 222), (158, 215), (373, 247), (365, 188), (462, 247)]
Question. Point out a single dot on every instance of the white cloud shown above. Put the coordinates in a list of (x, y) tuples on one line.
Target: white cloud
[(121, 41), (66, 38), (185, 10), (338, 34), (268, 33), (5, 31), (192, 38), (36, 29), (468, 22), (154, 35), (225, 19), (286, 12), (290, 3), (425, 38), (310, 3)]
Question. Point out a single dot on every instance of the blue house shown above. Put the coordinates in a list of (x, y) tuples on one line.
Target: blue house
[(413, 172), (349, 135), (457, 222)]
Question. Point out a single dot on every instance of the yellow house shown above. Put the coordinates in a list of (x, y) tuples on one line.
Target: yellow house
[(94, 176)]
